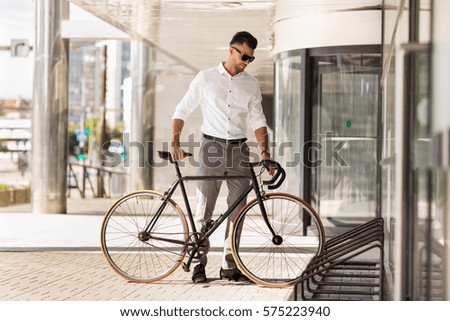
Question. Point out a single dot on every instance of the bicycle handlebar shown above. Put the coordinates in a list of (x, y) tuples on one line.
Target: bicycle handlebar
[(273, 183)]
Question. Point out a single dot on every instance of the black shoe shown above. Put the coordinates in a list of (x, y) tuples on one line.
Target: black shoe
[(199, 275), (233, 275)]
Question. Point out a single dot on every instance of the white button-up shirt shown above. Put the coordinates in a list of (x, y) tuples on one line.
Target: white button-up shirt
[(228, 103)]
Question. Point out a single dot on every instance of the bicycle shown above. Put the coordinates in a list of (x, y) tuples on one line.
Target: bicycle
[(145, 234)]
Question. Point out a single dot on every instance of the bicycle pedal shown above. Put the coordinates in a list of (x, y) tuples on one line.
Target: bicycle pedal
[(185, 267)]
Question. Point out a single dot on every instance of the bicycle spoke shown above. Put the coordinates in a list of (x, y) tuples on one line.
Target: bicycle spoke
[(259, 255), (123, 236)]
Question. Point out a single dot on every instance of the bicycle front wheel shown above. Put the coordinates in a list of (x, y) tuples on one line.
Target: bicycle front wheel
[(139, 255), (276, 262)]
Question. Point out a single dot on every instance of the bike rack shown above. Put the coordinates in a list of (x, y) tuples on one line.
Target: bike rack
[(343, 258)]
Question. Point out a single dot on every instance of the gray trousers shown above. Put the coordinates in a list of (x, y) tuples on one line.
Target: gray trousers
[(218, 159)]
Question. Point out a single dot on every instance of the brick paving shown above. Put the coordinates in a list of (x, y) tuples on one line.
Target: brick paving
[(50, 264), (59, 259), (86, 276)]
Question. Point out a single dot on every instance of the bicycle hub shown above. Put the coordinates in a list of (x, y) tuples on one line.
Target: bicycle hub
[(143, 236), (277, 240)]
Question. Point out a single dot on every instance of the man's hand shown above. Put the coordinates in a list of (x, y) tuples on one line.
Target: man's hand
[(177, 153), (266, 156)]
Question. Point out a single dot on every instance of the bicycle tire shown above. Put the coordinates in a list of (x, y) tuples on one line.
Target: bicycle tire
[(137, 260), (252, 244)]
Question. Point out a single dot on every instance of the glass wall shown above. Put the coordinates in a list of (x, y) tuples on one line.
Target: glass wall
[(426, 266), (326, 129), (380, 150), (395, 32), (414, 188), (439, 122), (289, 121), (429, 194), (345, 127), (387, 161)]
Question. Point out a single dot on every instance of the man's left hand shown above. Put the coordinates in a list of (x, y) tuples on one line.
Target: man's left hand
[(266, 156)]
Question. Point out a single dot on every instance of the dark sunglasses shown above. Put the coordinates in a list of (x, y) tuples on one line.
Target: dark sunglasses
[(244, 57)]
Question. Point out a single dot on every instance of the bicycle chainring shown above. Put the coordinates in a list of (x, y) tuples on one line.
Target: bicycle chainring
[(203, 242)]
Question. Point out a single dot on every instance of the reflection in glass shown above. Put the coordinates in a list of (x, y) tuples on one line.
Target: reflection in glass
[(345, 111), (440, 126), (429, 193), (288, 122)]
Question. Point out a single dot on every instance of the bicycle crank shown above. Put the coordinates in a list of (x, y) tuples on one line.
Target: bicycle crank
[(197, 244)]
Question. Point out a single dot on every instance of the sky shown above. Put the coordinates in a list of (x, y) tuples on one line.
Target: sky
[(16, 73), (17, 21)]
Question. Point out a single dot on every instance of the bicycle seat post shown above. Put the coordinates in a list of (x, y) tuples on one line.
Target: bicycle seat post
[(183, 190)]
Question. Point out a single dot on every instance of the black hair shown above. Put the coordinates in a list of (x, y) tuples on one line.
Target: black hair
[(242, 37)]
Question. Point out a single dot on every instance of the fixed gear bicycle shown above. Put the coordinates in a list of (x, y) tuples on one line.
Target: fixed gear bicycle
[(145, 235)]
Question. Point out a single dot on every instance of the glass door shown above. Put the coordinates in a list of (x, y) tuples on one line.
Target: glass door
[(288, 120), (345, 100)]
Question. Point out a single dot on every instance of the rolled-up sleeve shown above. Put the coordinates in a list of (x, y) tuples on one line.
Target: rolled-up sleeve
[(190, 100), (255, 112)]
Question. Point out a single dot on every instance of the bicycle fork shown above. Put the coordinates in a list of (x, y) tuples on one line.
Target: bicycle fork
[(276, 238)]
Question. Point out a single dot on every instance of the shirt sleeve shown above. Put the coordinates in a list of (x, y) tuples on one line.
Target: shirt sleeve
[(190, 100), (255, 113)]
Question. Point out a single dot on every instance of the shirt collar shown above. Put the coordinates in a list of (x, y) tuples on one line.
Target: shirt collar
[(223, 71)]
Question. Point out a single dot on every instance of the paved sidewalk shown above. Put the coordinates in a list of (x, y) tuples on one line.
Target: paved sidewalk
[(57, 257), (86, 276)]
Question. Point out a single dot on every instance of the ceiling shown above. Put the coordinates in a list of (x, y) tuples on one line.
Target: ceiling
[(194, 33)]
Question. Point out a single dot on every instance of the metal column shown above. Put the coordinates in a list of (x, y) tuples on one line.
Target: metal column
[(142, 116), (50, 109)]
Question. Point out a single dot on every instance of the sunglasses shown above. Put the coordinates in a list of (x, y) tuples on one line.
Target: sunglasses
[(244, 57)]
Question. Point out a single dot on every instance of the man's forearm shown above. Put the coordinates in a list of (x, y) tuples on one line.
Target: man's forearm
[(262, 137), (177, 127)]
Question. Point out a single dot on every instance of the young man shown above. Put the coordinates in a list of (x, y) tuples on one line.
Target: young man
[(230, 100)]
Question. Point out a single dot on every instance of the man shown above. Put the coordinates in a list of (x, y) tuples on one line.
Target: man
[(229, 99)]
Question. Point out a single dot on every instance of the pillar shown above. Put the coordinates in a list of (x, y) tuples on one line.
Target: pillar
[(142, 116), (50, 109)]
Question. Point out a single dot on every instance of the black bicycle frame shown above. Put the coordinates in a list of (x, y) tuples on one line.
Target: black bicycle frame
[(180, 181)]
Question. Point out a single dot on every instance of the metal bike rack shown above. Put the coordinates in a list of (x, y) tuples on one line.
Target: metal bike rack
[(345, 258)]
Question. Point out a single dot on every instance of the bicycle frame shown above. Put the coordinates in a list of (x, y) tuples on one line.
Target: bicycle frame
[(180, 181), (145, 235)]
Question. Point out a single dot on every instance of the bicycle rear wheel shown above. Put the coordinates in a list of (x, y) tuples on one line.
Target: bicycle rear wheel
[(263, 259), (144, 259)]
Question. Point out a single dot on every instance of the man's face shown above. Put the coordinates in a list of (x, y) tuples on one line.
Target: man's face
[(238, 51)]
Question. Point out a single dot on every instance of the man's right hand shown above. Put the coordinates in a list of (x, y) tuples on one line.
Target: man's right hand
[(177, 153)]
